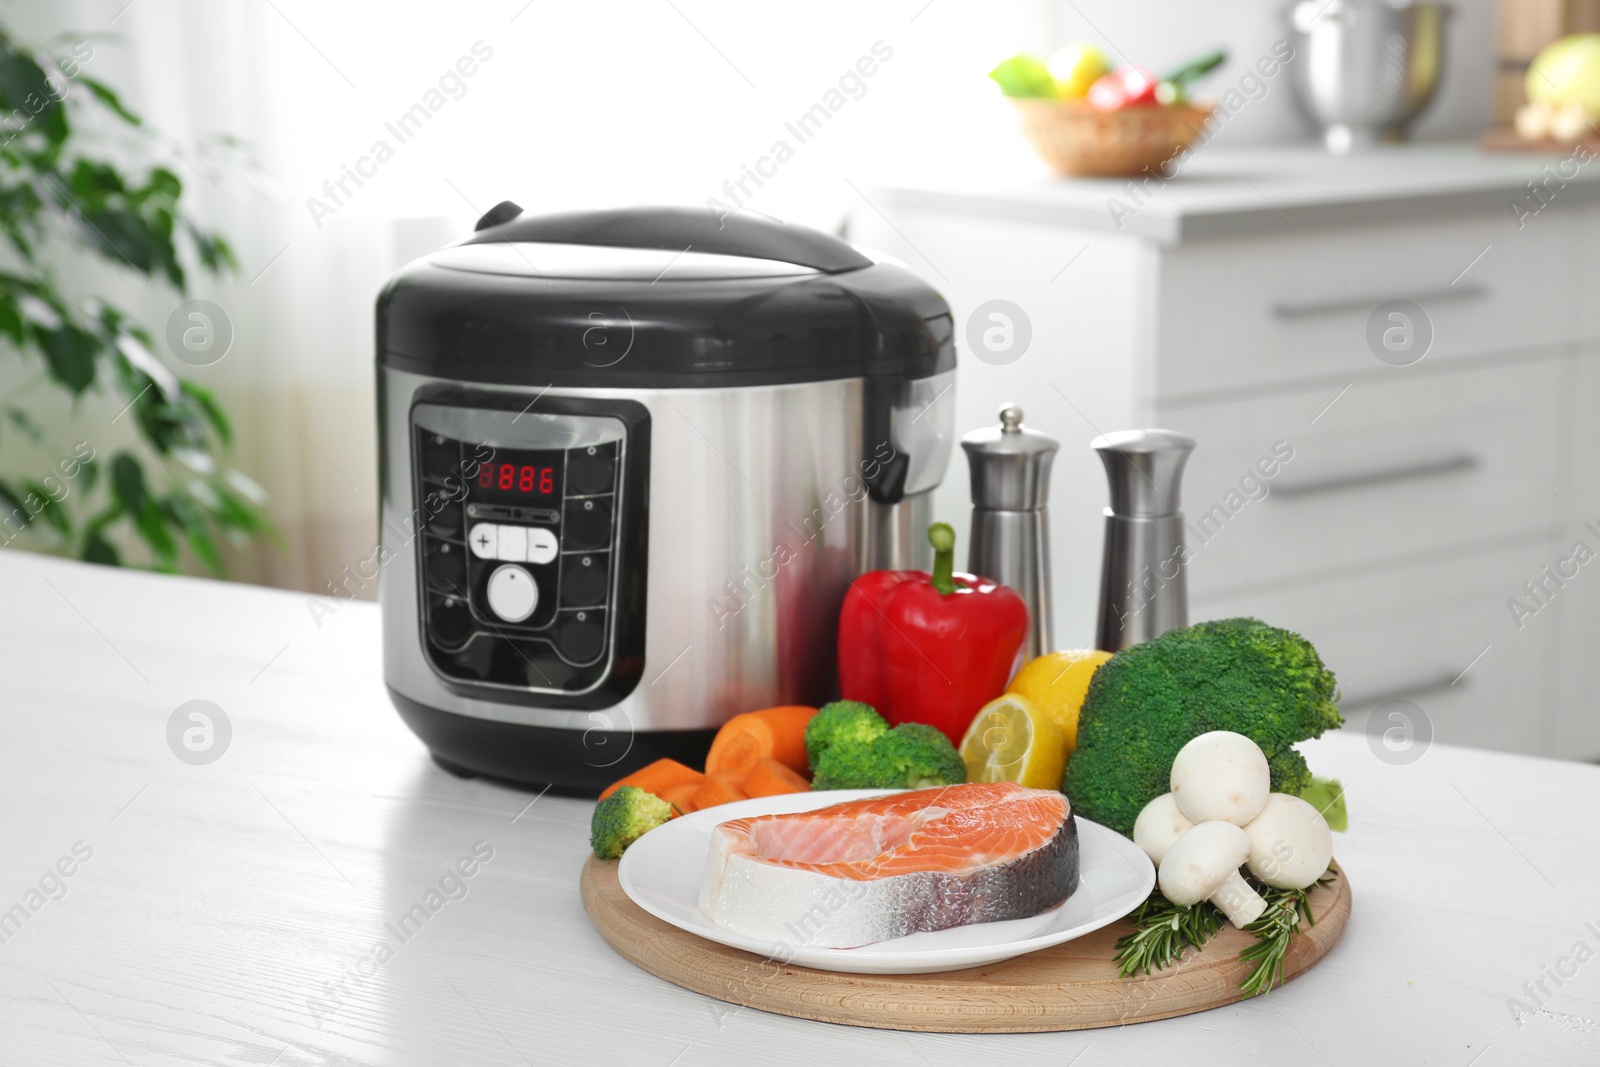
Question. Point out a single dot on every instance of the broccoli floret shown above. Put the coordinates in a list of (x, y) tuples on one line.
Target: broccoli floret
[(924, 755), (1290, 772), (849, 767), (843, 722), (1146, 702), (623, 817), (911, 756)]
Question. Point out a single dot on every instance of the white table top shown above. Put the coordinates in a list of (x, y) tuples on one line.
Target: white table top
[(1226, 192), (220, 901)]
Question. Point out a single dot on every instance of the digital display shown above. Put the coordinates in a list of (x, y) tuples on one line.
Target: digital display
[(511, 475)]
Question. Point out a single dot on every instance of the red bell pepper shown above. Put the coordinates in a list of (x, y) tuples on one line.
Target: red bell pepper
[(931, 648)]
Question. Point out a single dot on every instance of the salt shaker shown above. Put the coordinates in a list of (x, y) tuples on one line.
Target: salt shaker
[(1143, 581), (1010, 541)]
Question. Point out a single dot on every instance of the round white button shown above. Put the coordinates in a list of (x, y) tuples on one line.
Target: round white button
[(512, 592)]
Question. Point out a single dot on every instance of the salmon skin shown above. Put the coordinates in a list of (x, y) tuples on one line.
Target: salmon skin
[(869, 870)]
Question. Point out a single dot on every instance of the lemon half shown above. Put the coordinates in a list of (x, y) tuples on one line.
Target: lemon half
[(1010, 740)]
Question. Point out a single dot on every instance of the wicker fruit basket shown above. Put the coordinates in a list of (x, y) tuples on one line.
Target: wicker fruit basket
[(1076, 139)]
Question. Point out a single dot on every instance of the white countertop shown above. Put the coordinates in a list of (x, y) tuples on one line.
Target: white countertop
[(1225, 192), (218, 900)]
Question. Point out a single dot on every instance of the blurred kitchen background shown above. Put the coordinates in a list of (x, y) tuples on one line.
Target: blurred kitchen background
[(1420, 502)]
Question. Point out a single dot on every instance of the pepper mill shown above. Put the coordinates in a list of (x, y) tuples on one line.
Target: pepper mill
[(1143, 584), (1010, 542)]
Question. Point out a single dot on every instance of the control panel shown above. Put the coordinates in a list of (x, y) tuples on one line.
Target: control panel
[(531, 543)]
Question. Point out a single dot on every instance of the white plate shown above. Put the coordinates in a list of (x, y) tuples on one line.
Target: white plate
[(661, 873)]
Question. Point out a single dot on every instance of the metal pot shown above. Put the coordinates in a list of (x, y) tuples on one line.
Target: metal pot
[(1363, 69)]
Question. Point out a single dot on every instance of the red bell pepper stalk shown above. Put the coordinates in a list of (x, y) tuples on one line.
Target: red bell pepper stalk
[(930, 648)]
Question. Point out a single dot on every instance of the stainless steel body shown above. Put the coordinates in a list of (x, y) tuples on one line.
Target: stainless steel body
[(759, 518), (1010, 540), (1363, 69), (1143, 583)]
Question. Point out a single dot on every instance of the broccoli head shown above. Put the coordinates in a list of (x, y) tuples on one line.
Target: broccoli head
[(1146, 702), (911, 756), (623, 817), (843, 722)]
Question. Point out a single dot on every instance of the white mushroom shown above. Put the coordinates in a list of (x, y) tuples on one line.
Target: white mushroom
[(1290, 843), (1159, 825), (1204, 864), (1221, 776)]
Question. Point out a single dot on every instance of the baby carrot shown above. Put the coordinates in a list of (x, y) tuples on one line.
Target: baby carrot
[(779, 733), (681, 796), (656, 778), (721, 787), (769, 778)]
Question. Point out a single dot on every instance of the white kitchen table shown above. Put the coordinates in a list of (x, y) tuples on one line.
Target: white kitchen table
[(229, 913)]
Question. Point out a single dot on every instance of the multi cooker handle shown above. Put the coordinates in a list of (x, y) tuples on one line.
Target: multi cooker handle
[(678, 229)]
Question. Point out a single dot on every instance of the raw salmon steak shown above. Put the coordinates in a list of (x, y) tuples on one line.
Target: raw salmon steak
[(870, 870)]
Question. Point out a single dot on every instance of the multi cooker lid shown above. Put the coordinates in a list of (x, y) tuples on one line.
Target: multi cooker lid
[(658, 298)]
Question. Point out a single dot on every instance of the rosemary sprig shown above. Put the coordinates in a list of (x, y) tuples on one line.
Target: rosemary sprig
[(1286, 908), (1161, 931)]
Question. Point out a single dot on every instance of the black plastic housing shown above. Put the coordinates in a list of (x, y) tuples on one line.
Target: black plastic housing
[(849, 317)]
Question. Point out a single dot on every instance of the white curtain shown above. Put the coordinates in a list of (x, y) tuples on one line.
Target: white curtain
[(556, 106), (383, 130)]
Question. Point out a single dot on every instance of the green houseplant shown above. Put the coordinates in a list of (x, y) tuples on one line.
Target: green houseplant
[(66, 191)]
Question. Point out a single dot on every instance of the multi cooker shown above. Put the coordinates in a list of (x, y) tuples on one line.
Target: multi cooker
[(630, 462)]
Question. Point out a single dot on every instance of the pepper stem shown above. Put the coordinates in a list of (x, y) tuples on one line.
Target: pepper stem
[(943, 538)]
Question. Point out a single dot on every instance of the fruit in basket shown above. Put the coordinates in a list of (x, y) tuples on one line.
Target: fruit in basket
[(1124, 87), (1076, 67), (1024, 76), (1129, 122)]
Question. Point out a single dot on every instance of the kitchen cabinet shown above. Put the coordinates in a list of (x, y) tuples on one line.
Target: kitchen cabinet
[(1411, 497)]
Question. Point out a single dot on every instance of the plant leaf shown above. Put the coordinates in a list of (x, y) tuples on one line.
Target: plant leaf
[(127, 483), (151, 524), (50, 509), (11, 321), (192, 520), (25, 93), (71, 354), (96, 549), (10, 505), (214, 412), (107, 96)]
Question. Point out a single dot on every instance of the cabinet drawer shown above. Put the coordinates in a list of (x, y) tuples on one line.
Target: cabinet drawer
[(1415, 465), (1411, 633), (1245, 312)]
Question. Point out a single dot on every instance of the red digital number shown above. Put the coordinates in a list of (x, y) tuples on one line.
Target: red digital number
[(508, 475), (547, 482), (486, 475), (525, 480)]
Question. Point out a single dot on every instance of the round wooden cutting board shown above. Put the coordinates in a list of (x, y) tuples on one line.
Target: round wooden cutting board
[(1072, 986)]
